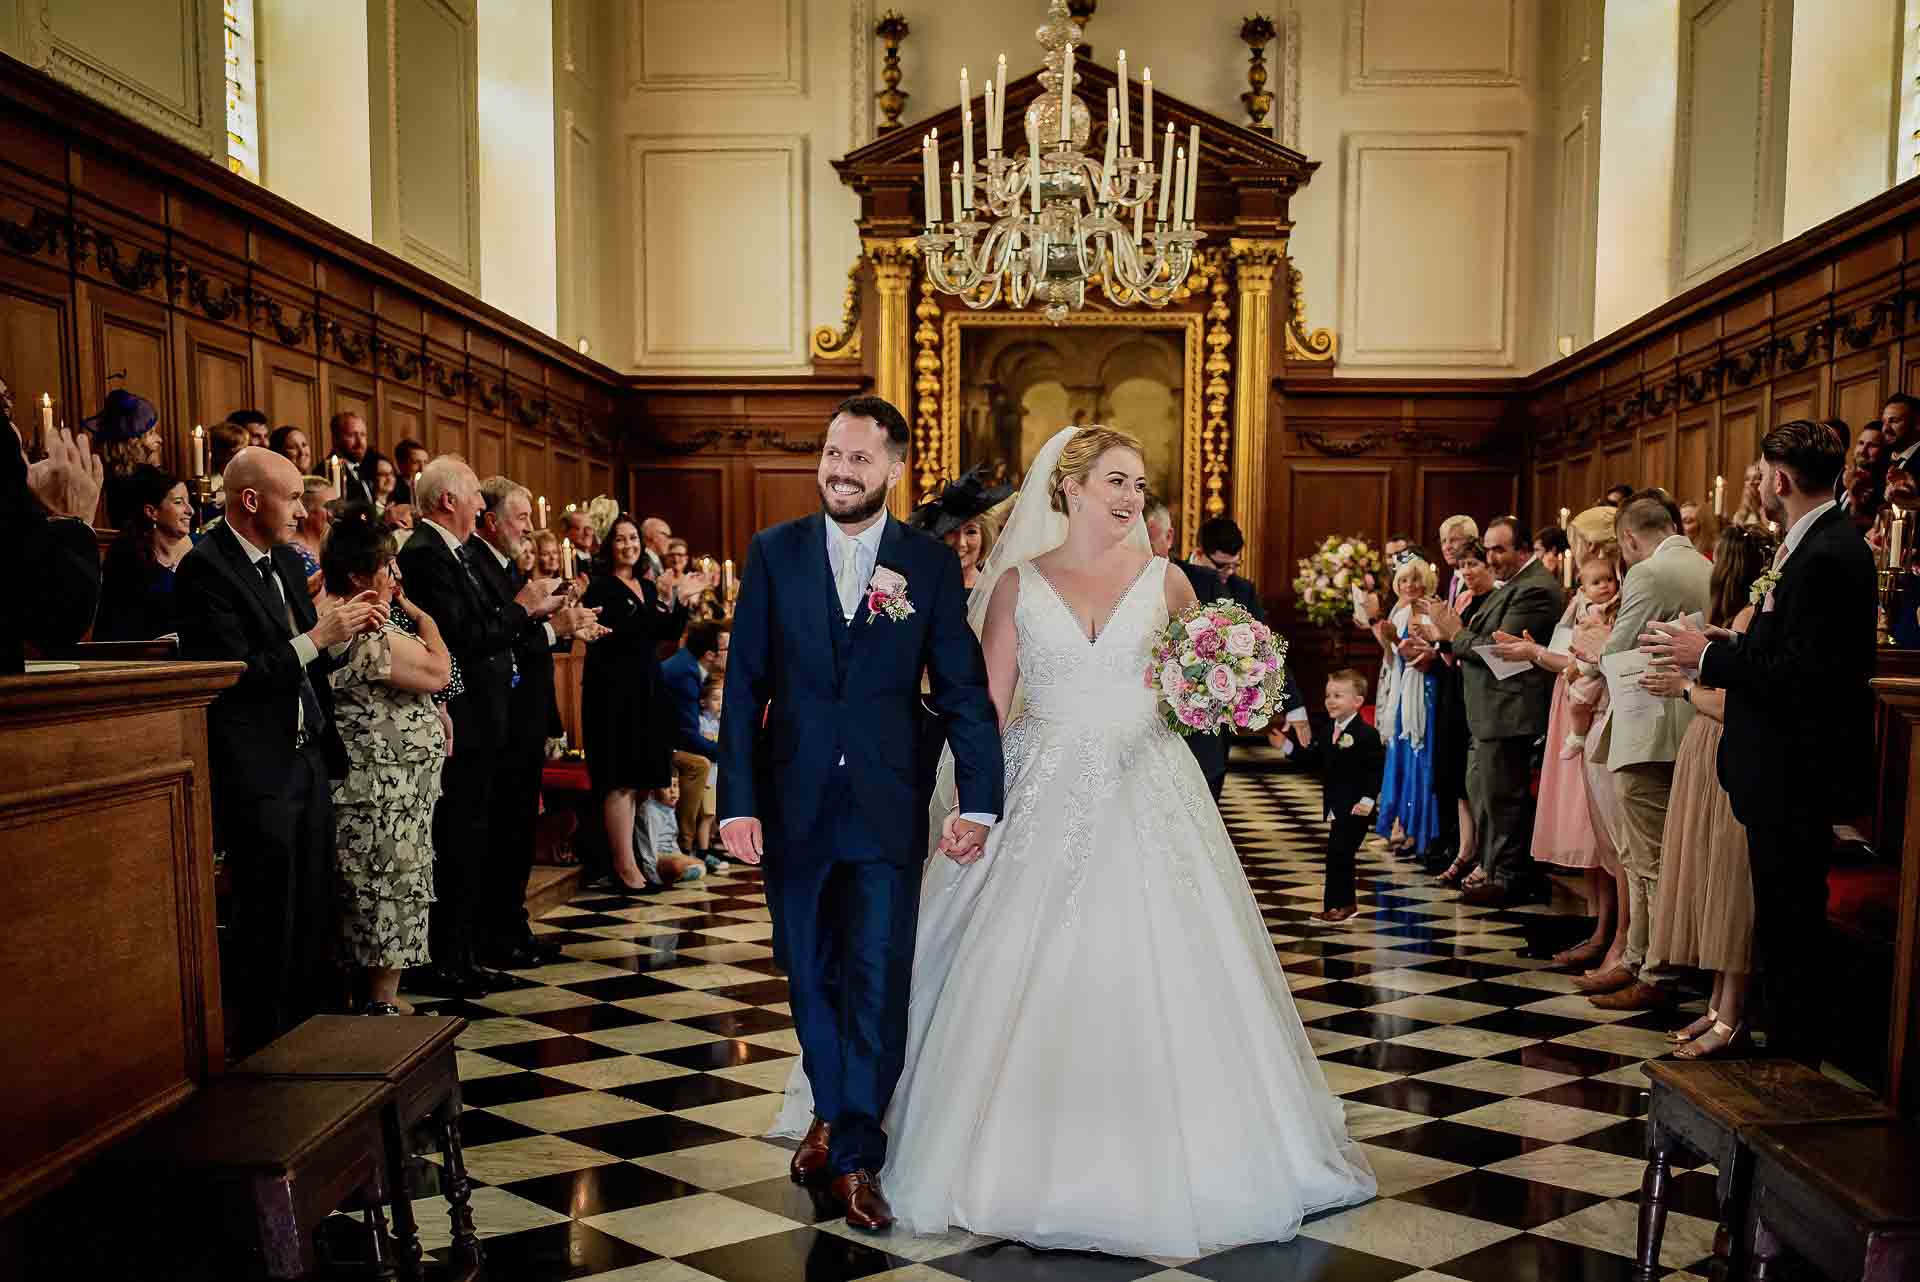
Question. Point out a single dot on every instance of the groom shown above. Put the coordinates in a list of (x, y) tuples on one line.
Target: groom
[(838, 616)]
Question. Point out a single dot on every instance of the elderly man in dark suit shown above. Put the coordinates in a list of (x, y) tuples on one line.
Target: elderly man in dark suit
[(1505, 717), (443, 577), (503, 937), (271, 740), (1212, 573), (1799, 719)]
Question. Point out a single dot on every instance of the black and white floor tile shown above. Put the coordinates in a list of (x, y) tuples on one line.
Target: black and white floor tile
[(615, 1103)]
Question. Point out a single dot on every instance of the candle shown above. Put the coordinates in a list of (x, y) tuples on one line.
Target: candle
[(1895, 540), (930, 158), (1193, 169), (1564, 514), (566, 559), (726, 579), (1066, 101), (1719, 495), (543, 511), (1146, 112), (966, 162), (1166, 174), (1566, 568), (1000, 117), (199, 450), (956, 190), (993, 125), (1107, 183), (333, 472), (1125, 138), (46, 420), (1033, 162), (966, 94), (1178, 184)]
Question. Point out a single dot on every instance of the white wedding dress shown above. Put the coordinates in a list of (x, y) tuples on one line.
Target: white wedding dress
[(1103, 1052)]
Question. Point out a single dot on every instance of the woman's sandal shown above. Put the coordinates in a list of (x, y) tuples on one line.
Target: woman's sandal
[(1333, 916), (1698, 1028), (1459, 868), (1736, 1042), (1476, 878)]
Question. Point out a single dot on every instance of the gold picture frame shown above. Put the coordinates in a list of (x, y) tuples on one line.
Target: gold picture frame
[(1192, 390)]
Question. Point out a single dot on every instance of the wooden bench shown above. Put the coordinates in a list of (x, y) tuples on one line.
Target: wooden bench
[(1843, 1196), (274, 1158), (413, 1057), (1706, 1107)]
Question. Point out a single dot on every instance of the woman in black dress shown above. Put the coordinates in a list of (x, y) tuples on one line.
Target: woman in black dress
[(1452, 739), (136, 590), (626, 721)]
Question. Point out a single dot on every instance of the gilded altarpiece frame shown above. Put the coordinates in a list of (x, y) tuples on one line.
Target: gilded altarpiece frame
[(1189, 324)]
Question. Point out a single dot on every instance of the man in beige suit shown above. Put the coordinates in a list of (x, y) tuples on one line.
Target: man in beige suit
[(1666, 578)]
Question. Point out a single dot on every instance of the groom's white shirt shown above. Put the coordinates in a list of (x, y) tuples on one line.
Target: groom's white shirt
[(864, 549)]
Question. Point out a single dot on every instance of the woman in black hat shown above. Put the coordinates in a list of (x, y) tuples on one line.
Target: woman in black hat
[(126, 435), (961, 516)]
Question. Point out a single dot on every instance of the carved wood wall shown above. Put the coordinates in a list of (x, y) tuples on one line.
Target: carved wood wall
[(123, 254), (1826, 325)]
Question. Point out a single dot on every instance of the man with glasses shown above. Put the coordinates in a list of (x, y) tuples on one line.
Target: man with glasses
[(1213, 570)]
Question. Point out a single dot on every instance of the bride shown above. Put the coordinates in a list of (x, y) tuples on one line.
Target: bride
[(1102, 1053)]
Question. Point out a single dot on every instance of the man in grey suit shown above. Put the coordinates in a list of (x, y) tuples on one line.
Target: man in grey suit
[(1505, 717), (1666, 578)]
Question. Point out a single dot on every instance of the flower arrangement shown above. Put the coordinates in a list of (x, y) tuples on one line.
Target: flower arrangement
[(1218, 668), (1327, 578), (887, 596)]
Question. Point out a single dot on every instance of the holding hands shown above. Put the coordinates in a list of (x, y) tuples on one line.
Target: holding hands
[(962, 840)]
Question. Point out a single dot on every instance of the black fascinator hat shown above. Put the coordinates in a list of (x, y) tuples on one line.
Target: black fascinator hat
[(957, 503)]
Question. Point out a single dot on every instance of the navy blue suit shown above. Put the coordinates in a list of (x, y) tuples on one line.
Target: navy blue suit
[(817, 741), (680, 676)]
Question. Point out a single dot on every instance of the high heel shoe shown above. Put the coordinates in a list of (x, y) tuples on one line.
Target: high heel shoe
[(1738, 1043), (1698, 1028), (1456, 870)]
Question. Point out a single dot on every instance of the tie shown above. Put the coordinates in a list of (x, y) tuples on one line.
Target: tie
[(1780, 556), (311, 717), (851, 578)]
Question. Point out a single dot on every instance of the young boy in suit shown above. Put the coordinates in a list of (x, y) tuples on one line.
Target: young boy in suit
[(1350, 760)]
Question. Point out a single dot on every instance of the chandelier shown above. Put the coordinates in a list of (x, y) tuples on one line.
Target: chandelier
[(1041, 224)]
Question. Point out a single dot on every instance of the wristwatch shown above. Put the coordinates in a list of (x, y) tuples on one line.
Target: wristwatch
[(1686, 692)]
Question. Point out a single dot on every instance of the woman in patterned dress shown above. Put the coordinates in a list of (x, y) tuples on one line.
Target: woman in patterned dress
[(387, 703)]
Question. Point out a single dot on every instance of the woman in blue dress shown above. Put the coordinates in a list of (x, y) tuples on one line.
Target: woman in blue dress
[(1407, 801)]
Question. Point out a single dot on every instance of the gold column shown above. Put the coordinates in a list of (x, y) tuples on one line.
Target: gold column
[(1256, 263), (929, 458), (893, 375)]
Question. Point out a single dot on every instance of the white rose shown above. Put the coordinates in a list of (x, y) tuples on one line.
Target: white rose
[(1346, 551), (1241, 640), (1171, 679)]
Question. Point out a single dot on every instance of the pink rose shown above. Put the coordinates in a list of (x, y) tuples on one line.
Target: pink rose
[(1241, 640), (876, 601), (1171, 681), (1208, 646), (1220, 683), (886, 582)]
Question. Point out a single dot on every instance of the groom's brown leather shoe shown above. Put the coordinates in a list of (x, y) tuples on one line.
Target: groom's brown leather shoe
[(866, 1205), (810, 1159)]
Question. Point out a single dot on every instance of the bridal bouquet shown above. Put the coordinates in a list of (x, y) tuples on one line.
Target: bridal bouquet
[(1218, 668), (1327, 579)]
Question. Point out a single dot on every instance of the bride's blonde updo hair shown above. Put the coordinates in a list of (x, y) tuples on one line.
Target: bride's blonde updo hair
[(1081, 452)]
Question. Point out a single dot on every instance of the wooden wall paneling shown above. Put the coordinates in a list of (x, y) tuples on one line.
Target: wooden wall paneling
[(1617, 465), (36, 327), (599, 480), (530, 462), (401, 412), (783, 490), (126, 341), (1546, 496), (1444, 489), (692, 496), (1693, 458), (288, 385), (1578, 490), (218, 363), (566, 477), (343, 391), (1656, 462), (1797, 396), (1859, 382), (1743, 421), (448, 429), (487, 439)]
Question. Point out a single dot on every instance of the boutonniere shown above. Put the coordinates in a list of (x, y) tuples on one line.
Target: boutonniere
[(887, 594), (1763, 587), (1344, 741)]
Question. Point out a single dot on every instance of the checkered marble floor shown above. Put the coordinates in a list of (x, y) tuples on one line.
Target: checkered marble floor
[(615, 1102)]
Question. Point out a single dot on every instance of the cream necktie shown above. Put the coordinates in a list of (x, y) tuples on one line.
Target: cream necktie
[(849, 581)]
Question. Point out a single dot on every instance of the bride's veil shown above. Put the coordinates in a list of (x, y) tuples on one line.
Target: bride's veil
[(1032, 528)]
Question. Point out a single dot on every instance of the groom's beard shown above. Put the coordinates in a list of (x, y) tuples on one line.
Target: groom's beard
[(854, 508)]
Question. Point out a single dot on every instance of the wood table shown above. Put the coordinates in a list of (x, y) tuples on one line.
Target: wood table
[(415, 1057), (1843, 1196), (1705, 1107)]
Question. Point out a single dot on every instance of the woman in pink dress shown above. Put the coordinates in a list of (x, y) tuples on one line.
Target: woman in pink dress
[(1573, 825)]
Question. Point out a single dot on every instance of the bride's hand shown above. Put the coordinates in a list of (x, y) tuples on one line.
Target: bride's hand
[(962, 840)]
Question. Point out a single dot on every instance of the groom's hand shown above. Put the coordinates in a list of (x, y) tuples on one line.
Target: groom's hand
[(743, 840), (962, 840)]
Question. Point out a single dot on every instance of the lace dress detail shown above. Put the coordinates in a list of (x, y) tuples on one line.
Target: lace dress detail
[(1102, 1050)]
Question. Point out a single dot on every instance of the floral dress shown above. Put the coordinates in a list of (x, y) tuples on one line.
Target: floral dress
[(383, 809)]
